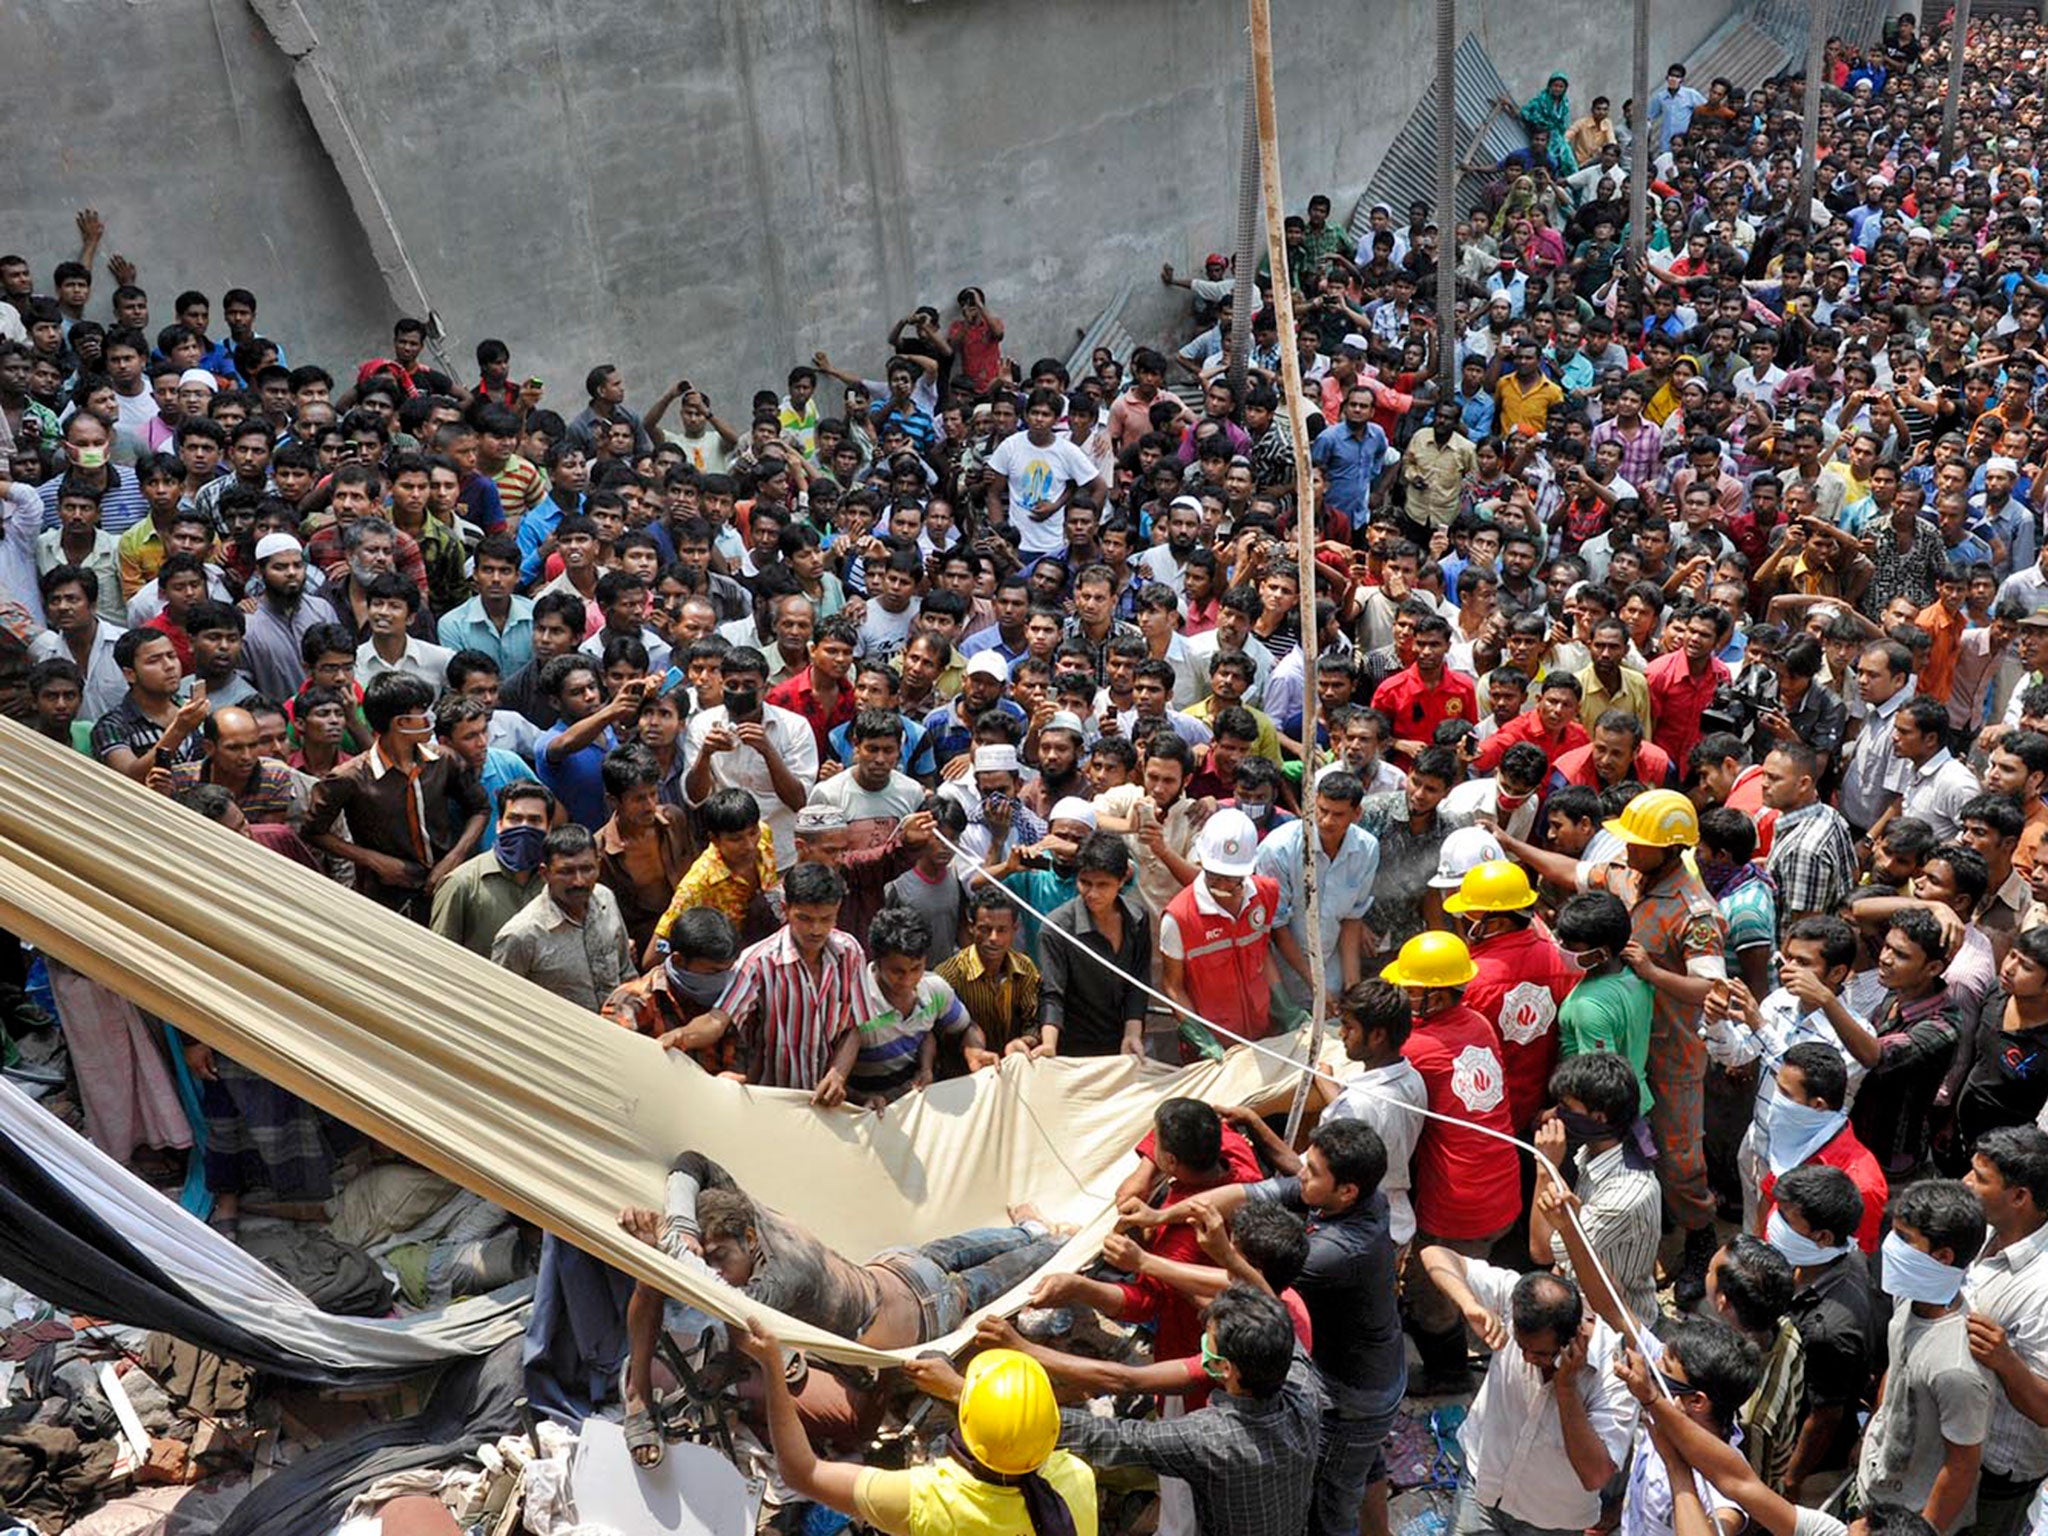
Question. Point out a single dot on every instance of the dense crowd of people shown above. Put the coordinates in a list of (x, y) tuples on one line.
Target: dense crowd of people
[(1671, 747)]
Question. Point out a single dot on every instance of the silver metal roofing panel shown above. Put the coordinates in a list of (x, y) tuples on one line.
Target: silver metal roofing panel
[(1487, 132)]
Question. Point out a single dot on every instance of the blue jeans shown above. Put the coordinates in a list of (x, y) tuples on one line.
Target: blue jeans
[(954, 1276), (1355, 1429)]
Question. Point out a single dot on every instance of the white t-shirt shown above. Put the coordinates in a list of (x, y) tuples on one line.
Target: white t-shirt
[(882, 633), (1039, 475), (872, 813)]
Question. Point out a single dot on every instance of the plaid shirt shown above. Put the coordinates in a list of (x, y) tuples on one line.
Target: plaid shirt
[(270, 795), (1249, 1462), (1916, 1043), (1813, 860)]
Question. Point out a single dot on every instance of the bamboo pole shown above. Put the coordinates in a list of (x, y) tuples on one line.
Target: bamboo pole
[(1958, 40), (1448, 331), (1639, 157), (1306, 527), (1809, 126), (1245, 296)]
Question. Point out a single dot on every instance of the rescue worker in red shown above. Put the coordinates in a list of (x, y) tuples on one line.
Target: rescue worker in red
[(1523, 979), (1216, 939)]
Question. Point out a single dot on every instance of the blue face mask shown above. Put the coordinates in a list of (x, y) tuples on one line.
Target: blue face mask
[(519, 848), (1797, 1131), (1910, 1275), (1800, 1251)]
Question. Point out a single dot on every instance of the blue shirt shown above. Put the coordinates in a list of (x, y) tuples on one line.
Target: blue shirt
[(991, 639), (948, 738), (1345, 884), (121, 509), (468, 628), (501, 768), (577, 780), (1352, 461), (1476, 412), (1671, 113), (534, 531), (1045, 890), (915, 759)]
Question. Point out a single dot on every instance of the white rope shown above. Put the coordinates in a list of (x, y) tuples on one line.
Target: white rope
[(1634, 1330)]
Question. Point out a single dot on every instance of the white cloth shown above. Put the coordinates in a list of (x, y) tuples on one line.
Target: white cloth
[(1374, 1096)]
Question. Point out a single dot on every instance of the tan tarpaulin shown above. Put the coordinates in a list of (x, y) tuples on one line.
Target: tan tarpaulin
[(499, 1086)]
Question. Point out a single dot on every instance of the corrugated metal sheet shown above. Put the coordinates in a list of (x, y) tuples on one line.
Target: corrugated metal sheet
[(1107, 330), (1740, 51), (1487, 131)]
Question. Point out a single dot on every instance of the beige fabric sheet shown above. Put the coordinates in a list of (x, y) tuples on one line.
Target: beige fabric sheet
[(497, 1085)]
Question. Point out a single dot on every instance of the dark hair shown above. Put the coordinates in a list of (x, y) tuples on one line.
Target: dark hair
[(702, 933), (2020, 1154), (899, 931), (1729, 831), (1104, 853), (1718, 1362), (1254, 1334), (1755, 1280), (391, 694), (1604, 1082), (1836, 938), (1594, 920), (731, 810), (1945, 1213), (1820, 1065), (526, 789), (567, 841), (2000, 813), (1273, 1239), (1545, 1303), (1441, 763), (556, 674), (1191, 1130), (813, 885), (1972, 875), (628, 767), (1825, 1196), (1355, 1153)]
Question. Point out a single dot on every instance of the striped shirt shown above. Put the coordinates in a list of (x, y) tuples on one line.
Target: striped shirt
[(1813, 860), (788, 1019), (521, 487), (890, 1038), (1771, 1418), (1622, 1218), (2011, 1288), (1003, 1003)]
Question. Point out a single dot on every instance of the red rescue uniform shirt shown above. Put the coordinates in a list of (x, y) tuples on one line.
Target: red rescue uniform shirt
[(1523, 978), (1466, 1184)]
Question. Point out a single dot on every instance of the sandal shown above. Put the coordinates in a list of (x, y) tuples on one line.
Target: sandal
[(643, 1434)]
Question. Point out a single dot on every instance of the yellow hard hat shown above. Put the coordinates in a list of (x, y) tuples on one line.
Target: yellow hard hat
[(1009, 1418), (1496, 886), (1658, 818), (1432, 960)]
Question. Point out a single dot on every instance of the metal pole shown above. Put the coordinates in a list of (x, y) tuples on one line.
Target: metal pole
[(1639, 154), (1810, 94), (1305, 524), (1244, 297), (1958, 39), (1447, 330)]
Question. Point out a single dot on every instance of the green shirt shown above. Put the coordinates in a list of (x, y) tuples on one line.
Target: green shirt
[(1610, 1013), (477, 899)]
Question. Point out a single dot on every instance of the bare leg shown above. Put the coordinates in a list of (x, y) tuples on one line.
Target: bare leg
[(643, 1330), (1372, 1513)]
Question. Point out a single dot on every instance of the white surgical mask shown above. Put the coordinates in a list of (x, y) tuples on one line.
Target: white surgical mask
[(1801, 1251), (1910, 1275)]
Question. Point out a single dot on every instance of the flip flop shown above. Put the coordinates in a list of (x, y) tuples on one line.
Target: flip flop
[(642, 1434)]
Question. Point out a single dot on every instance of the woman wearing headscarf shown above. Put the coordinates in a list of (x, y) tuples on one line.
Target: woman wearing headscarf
[(1549, 110)]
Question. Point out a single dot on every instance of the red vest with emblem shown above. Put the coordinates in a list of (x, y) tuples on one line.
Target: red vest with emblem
[(1467, 1184), (1522, 980), (1224, 957)]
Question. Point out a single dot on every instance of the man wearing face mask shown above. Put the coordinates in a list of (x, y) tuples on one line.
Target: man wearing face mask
[(746, 743), (88, 444), (1814, 965), (1924, 1444), (572, 940), (415, 813), (1834, 1307), (1619, 1207), (485, 893), (1522, 978)]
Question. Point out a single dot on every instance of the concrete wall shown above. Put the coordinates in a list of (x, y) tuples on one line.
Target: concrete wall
[(721, 189)]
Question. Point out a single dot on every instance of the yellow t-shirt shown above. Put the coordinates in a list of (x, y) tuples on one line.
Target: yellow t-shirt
[(945, 1499)]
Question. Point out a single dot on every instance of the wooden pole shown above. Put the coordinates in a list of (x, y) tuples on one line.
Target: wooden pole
[(1810, 96), (1244, 300), (1639, 157), (1958, 40), (1448, 331), (1306, 526)]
